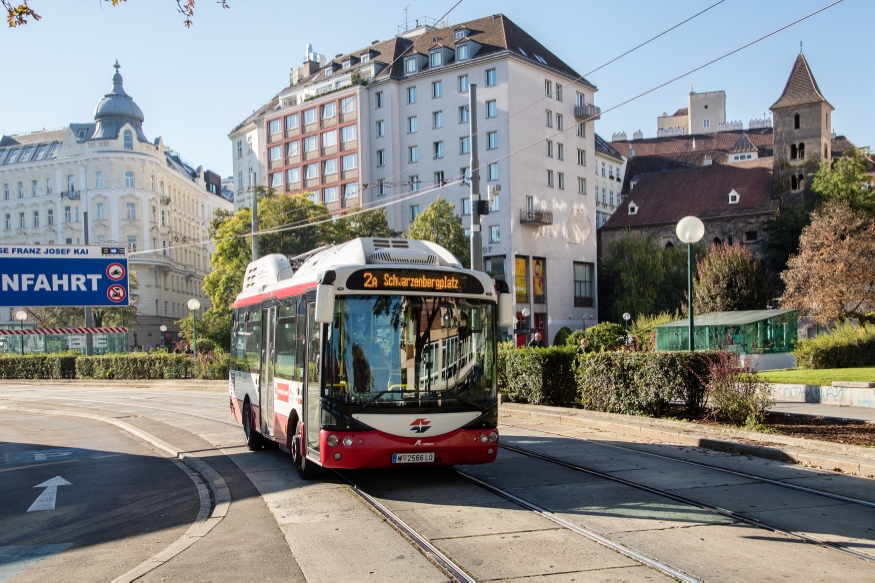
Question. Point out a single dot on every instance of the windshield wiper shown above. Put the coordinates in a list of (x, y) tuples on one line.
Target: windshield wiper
[(375, 397)]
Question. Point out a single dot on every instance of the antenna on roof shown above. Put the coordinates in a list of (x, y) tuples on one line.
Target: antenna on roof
[(406, 25), (800, 47)]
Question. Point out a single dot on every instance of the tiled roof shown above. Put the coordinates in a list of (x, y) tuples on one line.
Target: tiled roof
[(666, 197), (33, 138), (602, 146), (801, 88), (743, 144), (717, 141)]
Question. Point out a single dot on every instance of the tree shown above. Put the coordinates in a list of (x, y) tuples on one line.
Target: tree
[(638, 276), (361, 223), (20, 14), (783, 234), (730, 278), (439, 224), (833, 275), (846, 180)]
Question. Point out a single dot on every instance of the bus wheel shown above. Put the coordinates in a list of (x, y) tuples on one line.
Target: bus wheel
[(308, 469), (254, 440)]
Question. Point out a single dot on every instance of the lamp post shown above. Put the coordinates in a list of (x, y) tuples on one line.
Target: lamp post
[(626, 317), (194, 306), (690, 230), (526, 313), (163, 329), (21, 316)]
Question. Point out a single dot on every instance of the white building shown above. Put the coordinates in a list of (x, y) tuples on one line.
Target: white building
[(609, 167), (381, 123), (138, 193)]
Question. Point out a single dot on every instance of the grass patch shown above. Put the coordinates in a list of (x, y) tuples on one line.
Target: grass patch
[(822, 377)]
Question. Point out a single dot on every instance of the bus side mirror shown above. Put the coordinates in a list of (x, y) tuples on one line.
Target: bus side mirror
[(324, 303), (505, 310)]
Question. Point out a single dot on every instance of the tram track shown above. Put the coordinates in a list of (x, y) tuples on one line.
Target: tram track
[(457, 572)]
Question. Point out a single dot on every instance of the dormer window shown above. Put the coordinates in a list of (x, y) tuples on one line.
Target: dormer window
[(733, 197), (82, 133), (633, 208), (366, 58), (410, 65), (460, 34), (463, 52), (524, 53), (437, 59), (540, 59), (347, 64)]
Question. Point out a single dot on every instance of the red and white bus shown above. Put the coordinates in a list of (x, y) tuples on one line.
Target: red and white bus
[(373, 353)]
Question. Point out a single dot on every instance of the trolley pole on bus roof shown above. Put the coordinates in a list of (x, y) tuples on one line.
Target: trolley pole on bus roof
[(254, 216), (476, 239)]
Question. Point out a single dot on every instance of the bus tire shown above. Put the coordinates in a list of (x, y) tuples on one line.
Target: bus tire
[(308, 469), (254, 441)]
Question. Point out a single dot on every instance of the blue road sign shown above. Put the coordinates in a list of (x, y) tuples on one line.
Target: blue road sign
[(63, 275)]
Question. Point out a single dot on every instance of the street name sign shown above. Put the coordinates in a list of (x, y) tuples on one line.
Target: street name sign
[(63, 276)]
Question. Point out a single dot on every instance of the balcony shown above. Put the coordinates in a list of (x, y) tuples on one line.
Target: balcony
[(587, 112), (71, 194), (536, 217)]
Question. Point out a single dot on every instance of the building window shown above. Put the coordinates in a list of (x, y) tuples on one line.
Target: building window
[(351, 190), (581, 185), (438, 119), (293, 175), (381, 128), (329, 139), (132, 242), (801, 151), (561, 178), (462, 52), (8, 218), (437, 89), (329, 194), (581, 130), (491, 79), (310, 144), (381, 157), (583, 285), (275, 153), (21, 190), (603, 168), (493, 171), (439, 179), (438, 149), (548, 88), (413, 154), (292, 122), (36, 218), (796, 122), (750, 236), (348, 134), (48, 186), (381, 188), (560, 151), (549, 178), (293, 149), (33, 188), (706, 123), (463, 84), (491, 109), (129, 140), (329, 167), (549, 148), (558, 92), (464, 114), (411, 95), (21, 220), (414, 183), (50, 217), (130, 211), (465, 173), (274, 127), (98, 180), (410, 65), (378, 99), (494, 234), (436, 59), (414, 212), (466, 206), (465, 145), (412, 125), (100, 216), (5, 192), (349, 162), (310, 116), (495, 206), (559, 121), (311, 171), (549, 119), (329, 110), (492, 140), (521, 279)]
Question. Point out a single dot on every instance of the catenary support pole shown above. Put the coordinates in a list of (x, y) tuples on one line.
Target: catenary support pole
[(89, 339), (254, 216), (476, 238)]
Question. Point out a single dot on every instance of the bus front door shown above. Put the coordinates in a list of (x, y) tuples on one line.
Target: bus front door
[(311, 401), (265, 393)]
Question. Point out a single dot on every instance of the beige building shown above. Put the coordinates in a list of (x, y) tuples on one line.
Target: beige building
[(705, 113), (138, 194), (609, 167)]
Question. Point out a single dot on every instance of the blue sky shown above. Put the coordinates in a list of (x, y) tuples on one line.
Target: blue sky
[(194, 85)]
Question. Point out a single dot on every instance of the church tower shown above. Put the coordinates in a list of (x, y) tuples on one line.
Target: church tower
[(802, 124)]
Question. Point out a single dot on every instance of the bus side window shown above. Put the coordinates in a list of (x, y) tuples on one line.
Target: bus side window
[(301, 343), (286, 343), (238, 340), (253, 339)]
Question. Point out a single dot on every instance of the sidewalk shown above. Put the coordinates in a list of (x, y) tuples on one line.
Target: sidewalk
[(866, 414)]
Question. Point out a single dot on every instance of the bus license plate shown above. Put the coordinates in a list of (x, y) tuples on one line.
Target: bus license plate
[(412, 458)]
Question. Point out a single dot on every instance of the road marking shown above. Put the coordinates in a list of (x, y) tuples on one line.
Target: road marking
[(46, 500), (39, 455)]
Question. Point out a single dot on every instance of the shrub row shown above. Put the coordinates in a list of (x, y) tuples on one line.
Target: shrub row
[(616, 382), (846, 346), (135, 366)]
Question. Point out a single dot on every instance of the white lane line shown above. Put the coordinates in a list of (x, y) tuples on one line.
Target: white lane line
[(48, 497)]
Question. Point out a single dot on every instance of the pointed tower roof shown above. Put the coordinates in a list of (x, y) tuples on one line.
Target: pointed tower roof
[(801, 88), (742, 145)]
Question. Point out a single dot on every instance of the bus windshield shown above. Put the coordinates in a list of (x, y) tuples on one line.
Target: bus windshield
[(418, 351)]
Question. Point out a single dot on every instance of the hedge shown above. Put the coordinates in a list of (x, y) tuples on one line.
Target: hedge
[(540, 376), (38, 366), (135, 366), (846, 346)]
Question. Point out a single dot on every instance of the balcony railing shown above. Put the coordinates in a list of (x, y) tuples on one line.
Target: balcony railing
[(588, 112), (536, 217), (71, 194)]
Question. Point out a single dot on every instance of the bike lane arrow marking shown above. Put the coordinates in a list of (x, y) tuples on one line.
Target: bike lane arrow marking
[(46, 500)]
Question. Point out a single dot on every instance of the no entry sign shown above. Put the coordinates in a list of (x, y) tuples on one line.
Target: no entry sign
[(63, 275)]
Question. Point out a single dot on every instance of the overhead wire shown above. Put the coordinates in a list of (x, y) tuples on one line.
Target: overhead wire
[(416, 194)]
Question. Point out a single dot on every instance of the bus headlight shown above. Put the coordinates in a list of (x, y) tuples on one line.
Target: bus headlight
[(493, 437), (484, 438), (332, 440), (347, 441)]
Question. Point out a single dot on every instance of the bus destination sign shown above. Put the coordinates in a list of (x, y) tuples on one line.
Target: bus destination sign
[(413, 280)]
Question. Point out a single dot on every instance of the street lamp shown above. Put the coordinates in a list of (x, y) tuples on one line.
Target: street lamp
[(21, 316), (194, 306), (690, 230), (163, 329), (627, 316), (526, 313)]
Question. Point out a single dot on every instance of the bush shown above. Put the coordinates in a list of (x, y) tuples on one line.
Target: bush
[(605, 336), (642, 383), (562, 336), (540, 376), (213, 365), (644, 328), (135, 366), (846, 346), (38, 366), (737, 393)]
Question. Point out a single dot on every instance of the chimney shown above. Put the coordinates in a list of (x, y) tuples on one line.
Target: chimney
[(631, 154), (706, 161), (296, 75), (309, 68)]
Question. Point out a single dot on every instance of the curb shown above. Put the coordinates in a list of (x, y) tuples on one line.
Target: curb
[(140, 384), (679, 433), (216, 483)]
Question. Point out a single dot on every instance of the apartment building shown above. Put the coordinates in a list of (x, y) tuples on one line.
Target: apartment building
[(139, 194), (389, 124), (610, 165)]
